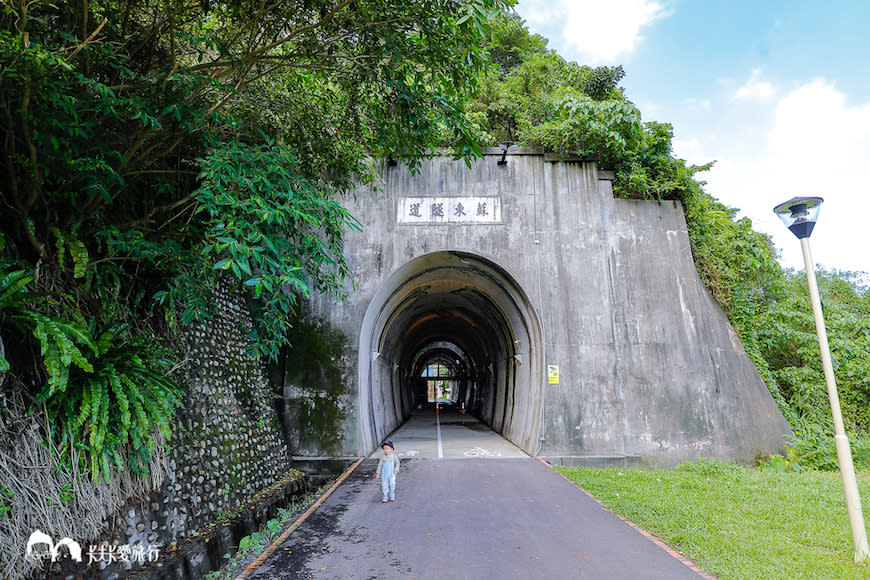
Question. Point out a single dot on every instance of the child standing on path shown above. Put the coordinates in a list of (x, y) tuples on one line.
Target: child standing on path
[(388, 468)]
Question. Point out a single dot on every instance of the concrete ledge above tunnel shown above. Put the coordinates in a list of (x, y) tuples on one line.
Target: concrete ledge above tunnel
[(462, 321)]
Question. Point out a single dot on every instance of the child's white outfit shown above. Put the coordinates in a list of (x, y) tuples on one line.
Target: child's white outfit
[(388, 465)]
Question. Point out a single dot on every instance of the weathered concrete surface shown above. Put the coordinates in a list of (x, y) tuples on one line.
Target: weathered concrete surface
[(561, 274)]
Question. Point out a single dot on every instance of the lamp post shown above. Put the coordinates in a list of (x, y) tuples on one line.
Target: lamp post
[(799, 214)]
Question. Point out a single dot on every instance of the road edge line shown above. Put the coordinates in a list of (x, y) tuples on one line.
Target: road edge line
[(655, 540), (299, 521)]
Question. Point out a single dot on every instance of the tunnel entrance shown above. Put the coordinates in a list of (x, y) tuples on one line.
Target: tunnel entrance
[(455, 329)]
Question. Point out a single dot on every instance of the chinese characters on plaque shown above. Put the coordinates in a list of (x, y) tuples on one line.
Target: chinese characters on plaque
[(427, 210)]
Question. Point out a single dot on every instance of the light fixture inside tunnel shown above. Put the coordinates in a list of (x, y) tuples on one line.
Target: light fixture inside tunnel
[(453, 323)]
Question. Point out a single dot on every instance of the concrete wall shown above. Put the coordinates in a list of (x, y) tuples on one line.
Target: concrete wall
[(689, 387), (563, 275)]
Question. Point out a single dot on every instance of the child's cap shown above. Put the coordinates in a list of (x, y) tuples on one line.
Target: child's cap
[(390, 443)]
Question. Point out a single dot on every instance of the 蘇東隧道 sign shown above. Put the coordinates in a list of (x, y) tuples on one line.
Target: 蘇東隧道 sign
[(470, 209)]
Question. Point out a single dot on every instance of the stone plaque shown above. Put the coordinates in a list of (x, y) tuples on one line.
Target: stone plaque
[(443, 210)]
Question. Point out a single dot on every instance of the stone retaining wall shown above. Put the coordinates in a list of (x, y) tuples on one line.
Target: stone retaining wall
[(228, 443)]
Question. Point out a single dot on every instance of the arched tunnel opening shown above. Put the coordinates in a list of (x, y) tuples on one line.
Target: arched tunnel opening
[(455, 329)]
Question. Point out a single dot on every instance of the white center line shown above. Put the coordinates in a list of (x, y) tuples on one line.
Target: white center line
[(438, 424)]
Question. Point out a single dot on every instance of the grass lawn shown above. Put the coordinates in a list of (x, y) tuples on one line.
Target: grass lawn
[(739, 523)]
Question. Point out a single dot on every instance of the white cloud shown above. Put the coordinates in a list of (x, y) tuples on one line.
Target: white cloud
[(820, 146), (814, 125), (690, 150), (599, 32), (702, 104), (755, 89), (816, 143)]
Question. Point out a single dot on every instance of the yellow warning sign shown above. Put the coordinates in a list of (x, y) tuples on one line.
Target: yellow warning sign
[(553, 374)]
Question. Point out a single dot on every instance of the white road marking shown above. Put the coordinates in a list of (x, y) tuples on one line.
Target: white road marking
[(481, 452), (438, 425)]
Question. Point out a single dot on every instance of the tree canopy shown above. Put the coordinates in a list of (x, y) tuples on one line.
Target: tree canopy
[(153, 150), (190, 136)]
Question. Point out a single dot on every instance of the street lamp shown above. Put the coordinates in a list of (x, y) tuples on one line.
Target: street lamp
[(799, 214)]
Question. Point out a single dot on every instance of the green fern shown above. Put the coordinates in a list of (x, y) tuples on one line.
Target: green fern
[(61, 341), (105, 397), (115, 409), (77, 251)]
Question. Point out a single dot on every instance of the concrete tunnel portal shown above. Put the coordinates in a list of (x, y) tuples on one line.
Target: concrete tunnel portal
[(463, 320), (550, 269)]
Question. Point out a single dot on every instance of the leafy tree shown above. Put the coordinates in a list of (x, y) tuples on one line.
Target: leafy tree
[(537, 98), (154, 149), (787, 335), (110, 130)]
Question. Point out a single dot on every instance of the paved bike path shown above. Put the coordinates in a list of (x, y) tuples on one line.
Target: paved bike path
[(468, 518)]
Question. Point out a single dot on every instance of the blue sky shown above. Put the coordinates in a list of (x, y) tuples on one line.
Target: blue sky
[(776, 92)]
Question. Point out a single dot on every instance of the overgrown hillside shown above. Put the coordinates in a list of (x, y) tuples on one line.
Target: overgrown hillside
[(152, 149), (534, 97)]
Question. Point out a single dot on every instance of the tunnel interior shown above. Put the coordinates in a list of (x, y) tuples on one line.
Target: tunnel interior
[(456, 329)]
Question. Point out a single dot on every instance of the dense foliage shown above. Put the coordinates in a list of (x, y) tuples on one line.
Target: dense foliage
[(106, 391), (787, 338), (153, 150)]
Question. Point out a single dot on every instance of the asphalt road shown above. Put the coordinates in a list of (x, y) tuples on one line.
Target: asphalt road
[(471, 517)]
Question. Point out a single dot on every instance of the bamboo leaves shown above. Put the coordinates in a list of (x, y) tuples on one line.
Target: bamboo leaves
[(270, 228)]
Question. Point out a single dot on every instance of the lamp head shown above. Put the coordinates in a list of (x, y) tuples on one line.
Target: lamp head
[(506, 147), (799, 214)]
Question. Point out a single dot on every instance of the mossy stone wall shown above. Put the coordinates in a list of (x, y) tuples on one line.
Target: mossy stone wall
[(228, 443)]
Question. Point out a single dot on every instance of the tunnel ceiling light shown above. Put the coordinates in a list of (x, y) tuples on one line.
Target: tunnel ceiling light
[(375, 355)]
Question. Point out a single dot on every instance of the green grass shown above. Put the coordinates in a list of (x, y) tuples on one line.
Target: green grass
[(739, 523)]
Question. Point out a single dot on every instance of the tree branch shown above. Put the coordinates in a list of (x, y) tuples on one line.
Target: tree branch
[(319, 24), (87, 41)]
